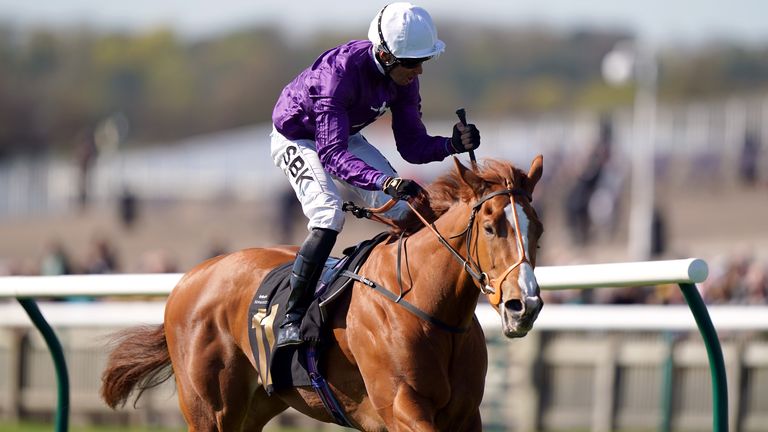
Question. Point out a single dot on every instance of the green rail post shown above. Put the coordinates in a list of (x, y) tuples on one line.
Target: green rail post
[(62, 410), (667, 384), (715, 354)]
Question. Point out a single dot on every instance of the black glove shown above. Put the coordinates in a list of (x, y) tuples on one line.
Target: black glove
[(466, 141), (400, 188)]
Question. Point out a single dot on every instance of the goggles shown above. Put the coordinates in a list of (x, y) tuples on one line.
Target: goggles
[(411, 63)]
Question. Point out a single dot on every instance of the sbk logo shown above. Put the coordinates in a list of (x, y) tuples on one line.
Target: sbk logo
[(295, 166)]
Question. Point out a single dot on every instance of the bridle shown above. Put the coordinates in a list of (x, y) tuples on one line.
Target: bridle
[(491, 287)]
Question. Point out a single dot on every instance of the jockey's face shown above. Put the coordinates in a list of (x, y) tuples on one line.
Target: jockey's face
[(404, 76), (400, 74)]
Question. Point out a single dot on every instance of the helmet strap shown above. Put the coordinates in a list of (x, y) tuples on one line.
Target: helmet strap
[(383, 48), (387, 66)]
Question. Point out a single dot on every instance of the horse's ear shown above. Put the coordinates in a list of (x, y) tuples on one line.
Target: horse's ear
[(534, 173), (468, 176)]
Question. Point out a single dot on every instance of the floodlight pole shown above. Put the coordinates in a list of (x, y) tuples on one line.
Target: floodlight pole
[(643, 154), (633, 61)]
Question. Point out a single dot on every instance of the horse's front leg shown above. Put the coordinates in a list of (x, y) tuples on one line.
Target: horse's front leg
[(475, 423), (411, 411)]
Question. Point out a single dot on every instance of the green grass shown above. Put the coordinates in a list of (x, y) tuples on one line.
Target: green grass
[(47, 427), (43, 427)]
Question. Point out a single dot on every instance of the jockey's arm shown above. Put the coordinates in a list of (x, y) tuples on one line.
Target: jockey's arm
[(413, 142), (332, 141)]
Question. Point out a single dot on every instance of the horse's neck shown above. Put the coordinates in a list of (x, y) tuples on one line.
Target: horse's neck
[(436, 279)]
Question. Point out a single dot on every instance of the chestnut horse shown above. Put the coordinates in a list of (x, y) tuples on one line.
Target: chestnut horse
[(388, 368)]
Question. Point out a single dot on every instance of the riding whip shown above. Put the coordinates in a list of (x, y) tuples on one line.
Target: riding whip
[(462, 113)]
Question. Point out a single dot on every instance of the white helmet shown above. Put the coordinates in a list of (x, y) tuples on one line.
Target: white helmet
[(405, 31)]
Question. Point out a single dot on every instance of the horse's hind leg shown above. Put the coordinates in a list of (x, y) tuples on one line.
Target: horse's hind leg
[(221, 393), (245, 404), (263, 409)]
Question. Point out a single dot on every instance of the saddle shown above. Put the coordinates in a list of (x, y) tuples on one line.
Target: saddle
[(288, 366)]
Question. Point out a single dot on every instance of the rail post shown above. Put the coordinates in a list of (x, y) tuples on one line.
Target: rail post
[(57, 353), (714, 353)]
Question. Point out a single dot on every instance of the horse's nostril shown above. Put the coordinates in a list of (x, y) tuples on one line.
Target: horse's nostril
[(514, 305)]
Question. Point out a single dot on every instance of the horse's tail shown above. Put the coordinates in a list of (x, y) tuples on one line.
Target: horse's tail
[(138, 361)]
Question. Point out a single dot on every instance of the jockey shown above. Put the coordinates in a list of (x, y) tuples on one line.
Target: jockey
[(316, 136)]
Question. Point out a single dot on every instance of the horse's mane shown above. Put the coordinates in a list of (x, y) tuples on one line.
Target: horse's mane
[(450, 189)]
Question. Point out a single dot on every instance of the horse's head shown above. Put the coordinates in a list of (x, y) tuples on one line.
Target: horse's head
[(506, 235)]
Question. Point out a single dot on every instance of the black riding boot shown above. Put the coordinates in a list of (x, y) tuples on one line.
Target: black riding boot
[(304, 275)]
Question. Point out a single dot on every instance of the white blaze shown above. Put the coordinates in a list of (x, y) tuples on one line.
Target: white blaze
[(526, 279)]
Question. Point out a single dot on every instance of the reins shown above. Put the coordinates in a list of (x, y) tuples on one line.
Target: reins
[(488, 286), (372, 214)]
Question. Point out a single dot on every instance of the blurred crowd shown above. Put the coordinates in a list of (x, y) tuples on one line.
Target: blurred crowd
[(589, 191), (740, 279), (101, 257)]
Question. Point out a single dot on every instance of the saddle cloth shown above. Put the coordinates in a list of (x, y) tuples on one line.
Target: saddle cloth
[(286, 366)]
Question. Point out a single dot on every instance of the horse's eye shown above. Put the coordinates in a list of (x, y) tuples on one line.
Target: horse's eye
[(488, 229)]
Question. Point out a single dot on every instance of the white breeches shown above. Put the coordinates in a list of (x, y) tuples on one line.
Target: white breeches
[(315, 188)]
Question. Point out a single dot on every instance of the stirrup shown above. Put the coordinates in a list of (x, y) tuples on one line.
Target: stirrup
[(289, 334)]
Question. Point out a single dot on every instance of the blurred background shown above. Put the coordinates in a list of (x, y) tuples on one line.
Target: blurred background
[(134, 139)]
